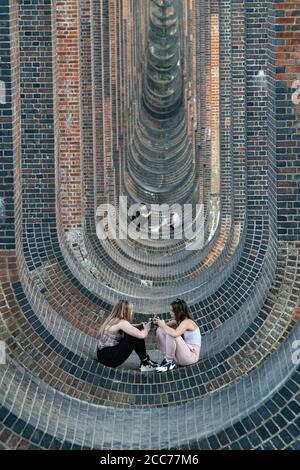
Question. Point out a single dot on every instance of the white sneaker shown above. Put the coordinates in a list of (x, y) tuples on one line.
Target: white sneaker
[(166, 365), (147, 365)]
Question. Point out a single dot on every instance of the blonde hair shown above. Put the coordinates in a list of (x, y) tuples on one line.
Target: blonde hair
[(121, 311)]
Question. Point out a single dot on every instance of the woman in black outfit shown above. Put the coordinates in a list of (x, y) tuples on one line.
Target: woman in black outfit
[(118, 338)]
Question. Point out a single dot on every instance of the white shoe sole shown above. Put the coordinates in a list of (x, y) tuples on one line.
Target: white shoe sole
[(147, 369), (165, 369)]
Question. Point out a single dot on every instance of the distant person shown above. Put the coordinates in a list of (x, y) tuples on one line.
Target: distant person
[(118, 338), (173, 221), (143, 215), (180, 339)]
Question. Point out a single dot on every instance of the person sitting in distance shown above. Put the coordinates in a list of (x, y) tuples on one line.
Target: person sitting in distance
[(173, 221), (118, 338), (180, 339), (142, 215)]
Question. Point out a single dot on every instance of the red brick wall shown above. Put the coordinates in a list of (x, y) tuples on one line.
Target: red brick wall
[(68, 132), (288, 117), (215, 104)]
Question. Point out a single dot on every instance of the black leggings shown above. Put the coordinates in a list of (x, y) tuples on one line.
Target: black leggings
[(114, 356)]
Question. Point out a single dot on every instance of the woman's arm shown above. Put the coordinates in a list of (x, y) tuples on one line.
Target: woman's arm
[(175, 332), (133, 331), (172, 323)]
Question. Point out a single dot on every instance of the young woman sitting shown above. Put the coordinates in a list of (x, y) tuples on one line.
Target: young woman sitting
[(180, 339), (118, 338)]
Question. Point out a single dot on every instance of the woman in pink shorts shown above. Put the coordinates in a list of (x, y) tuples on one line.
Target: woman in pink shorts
[(180, 339)]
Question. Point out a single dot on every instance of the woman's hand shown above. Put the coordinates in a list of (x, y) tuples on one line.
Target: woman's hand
[(147, 328), (159, 322)]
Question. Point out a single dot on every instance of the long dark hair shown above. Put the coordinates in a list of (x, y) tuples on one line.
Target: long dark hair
[(181, 310)]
